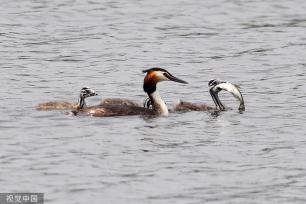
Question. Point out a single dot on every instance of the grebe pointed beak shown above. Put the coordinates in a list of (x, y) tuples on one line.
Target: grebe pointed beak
[(175, 79)]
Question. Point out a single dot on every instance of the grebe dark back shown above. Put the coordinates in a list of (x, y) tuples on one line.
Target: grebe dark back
[(119, 102)]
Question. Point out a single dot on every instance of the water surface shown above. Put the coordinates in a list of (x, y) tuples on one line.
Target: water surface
[(50, 49)]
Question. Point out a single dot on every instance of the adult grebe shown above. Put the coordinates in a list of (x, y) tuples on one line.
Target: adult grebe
[(62, 105), (215, 86), (153, 76)]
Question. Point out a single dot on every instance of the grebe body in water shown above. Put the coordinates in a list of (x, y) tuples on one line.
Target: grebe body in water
[(64, 105)]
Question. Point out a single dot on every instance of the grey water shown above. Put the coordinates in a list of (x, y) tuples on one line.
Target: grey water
[(51, 49)]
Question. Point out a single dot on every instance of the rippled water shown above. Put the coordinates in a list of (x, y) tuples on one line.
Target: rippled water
[(50, 49)]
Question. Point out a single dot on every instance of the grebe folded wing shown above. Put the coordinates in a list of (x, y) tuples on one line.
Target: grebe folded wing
[(119, 101), (188, 106), (114, 110), (56, 105)]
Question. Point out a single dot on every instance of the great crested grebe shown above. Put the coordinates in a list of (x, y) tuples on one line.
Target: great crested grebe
[(62, 105), (215, 86), (153, 76)]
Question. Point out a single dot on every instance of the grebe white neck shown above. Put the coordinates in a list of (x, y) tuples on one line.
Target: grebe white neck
[(158, 104)]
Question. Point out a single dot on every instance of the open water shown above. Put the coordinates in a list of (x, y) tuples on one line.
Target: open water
[(50, 49)]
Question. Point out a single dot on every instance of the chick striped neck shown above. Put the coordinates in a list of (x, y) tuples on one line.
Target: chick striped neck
[(81, 102)]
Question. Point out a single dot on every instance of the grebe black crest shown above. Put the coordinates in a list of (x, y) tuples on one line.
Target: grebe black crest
[(153, 76), (85, 92), (215, 86)]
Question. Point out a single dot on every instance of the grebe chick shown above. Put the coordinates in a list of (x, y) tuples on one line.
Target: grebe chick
[(153, 76), (215, 86), (118, 102), (147, 103), (64, 105)]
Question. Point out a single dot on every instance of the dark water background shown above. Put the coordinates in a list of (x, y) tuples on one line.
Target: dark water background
[(50, 49)]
